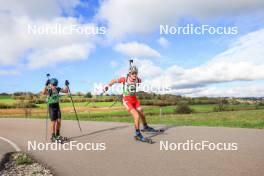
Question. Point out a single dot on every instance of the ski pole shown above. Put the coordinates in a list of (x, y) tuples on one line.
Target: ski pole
[(113, 104), (46, 131), (74, 106), (130, 63), (116, 101)]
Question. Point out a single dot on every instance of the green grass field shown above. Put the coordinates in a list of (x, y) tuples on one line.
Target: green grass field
[(242, 115), (168, 109), (83, 104), (207, 108), (241, 119), (6, 99)]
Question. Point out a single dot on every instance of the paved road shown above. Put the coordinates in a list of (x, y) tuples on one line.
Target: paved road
[(124, 156), (5, 148)]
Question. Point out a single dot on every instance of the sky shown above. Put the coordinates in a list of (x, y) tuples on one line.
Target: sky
[(209, 64)]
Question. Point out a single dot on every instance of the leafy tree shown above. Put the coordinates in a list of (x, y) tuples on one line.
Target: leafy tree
[(88, 95)]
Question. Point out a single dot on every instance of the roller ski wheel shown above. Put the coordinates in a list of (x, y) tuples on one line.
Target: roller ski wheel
[(149, 129), (147, 140), (61, 139)]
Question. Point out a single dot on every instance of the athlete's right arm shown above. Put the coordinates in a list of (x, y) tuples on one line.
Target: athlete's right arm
[(45, 90), (114, 81)]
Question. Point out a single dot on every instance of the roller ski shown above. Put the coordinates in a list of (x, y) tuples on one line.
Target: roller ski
[(61, 139), (141, 138), (148, 129)]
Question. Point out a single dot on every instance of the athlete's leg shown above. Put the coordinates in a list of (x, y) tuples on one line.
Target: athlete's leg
[(131, 108), (52, 126), (53, 122), (142, 115), (136, 116), (143, 118), (58, 123)]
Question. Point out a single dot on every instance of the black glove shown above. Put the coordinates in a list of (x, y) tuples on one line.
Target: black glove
[(47, 82), (106, 88), (67, 83)]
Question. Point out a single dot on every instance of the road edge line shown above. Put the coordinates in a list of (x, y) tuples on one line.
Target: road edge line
[(11, 143)]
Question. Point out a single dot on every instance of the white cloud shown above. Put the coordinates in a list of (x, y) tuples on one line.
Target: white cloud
[(18, 47), (213, 91), (248, 48), (42, 50), (135, 49), (148, 68), (126, 16), (163, 42), (243, 61), (250, 91), (51, 57)]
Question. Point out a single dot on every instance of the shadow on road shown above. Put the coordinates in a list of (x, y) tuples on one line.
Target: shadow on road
[(163, 130), (149, 135), (99, 131)]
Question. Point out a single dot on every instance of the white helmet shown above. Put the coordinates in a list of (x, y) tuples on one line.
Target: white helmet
[(133, 69)]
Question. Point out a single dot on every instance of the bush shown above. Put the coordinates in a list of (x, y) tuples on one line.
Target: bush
[(157, 102), (183, 108), (221, 109), (5, 106), (18, 104), (24, 104), (40, 100), (217, 109), (23, 159), (146, 102), (88, 95)]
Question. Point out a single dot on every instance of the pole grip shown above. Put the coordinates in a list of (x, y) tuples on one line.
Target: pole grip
[(130, 63)]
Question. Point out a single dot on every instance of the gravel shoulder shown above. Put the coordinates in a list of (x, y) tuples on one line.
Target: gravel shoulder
[(18, 163)]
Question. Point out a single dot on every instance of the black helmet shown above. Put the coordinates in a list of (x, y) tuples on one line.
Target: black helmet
[(54, 81)]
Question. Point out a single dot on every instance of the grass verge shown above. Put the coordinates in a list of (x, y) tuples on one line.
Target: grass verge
[(239, 119)]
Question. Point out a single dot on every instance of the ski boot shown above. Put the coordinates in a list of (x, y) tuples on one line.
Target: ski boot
[(141, 138), (53, 138), (61, 139)]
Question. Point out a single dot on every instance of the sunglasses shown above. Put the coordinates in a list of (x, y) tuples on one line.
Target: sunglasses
[(134, 73)]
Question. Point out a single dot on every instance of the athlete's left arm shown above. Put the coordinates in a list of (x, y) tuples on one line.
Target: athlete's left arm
[(139, 81), (65, 89)]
